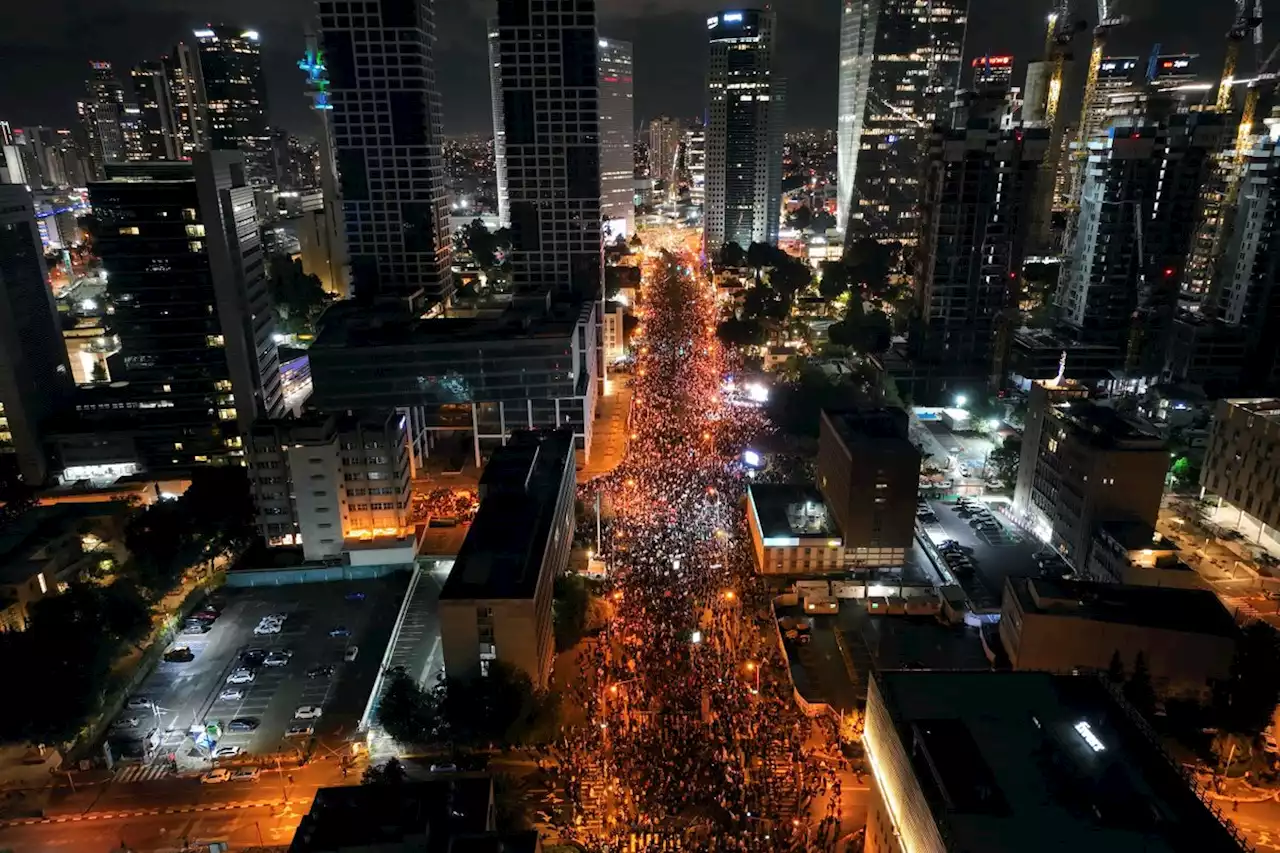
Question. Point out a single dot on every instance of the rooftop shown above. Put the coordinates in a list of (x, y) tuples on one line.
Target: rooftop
[(1161, 607), (429, 815), (1014, 760), (1103, 426), (1137, 535), (791, 511), (868, 426), (501, 556), (1267, 407), (21, 538)]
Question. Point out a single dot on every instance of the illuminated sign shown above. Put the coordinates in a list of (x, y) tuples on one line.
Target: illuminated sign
[(713, 22), (1086, 733), (251, 35), (100, 66), (732, 17), (992, 61), (204, 34), (1118, 65)]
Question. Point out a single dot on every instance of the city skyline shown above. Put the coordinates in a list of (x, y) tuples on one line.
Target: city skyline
[(667, 35)]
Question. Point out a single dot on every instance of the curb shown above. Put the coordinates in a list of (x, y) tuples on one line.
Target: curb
[(76, 818)]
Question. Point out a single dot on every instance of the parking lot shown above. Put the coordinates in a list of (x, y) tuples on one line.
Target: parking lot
[(995, 552), (328, 650)]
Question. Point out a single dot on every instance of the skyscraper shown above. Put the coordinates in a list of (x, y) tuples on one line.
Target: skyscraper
[(156, 139), (899, 65), (235, 96), (992, 71), (322, 235), (695, 163), (617, 138), (101, 114), (664, 142), (499, 127), (34, 376), (179, 242), (1139, 208), (975, 217), (744, 131), (388, 146), (551, 113), (186, 94)]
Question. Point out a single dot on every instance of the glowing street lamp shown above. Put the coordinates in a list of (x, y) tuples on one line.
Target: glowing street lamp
[(961, 400)]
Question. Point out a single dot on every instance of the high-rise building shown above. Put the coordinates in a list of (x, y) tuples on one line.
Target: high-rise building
[(551, 112), (695, 164), (899, 65), (388, 146), (186, 96), (1139, 207), (664, 143), (323, 238), (745, 103), (35, 379), (499, 125), (101, 115), (1242, 466), (617, 139), (976, 213), (179, 242), (235, 96), (42, 142), (154, 133)]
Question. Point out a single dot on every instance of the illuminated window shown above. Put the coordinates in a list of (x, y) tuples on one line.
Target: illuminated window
[(214, 341), (189, 214), (222, 385), (195, 230), (227, 414), (177, 445), (130, 229), (195, 245), (1053, 445)]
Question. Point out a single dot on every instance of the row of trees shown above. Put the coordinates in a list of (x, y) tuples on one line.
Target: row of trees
[(74, 639), (501, 709)]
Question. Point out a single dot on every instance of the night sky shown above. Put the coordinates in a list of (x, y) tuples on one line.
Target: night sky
[(45, 46)]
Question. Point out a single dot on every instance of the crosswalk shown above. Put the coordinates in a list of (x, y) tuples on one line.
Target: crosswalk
[(1242, 609), (142, 773), (594, 802), (651, 842)]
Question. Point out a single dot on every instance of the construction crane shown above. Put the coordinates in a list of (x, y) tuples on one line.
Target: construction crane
[(1242, 25), (1107, 21), (1059, 35)]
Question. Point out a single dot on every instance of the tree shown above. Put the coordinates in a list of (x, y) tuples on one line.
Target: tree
[(759, 256), (835, 280), (569, 610), (1246, 701), (732, 255), (391, 772), (1138, 689), (299, 297), (1115, 670), (800, 218), (790, 277), (635, 241), (740, 333), (822, 222), (407, 712), (1003, 461)]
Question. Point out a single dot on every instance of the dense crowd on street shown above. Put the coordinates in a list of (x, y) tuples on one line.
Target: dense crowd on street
[(691, 731)]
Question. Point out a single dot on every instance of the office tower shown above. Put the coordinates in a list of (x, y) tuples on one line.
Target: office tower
[(13, 167), (156, 139), (323, 238), (101, 114), (745, 103), (40, 142), (664, 144), (499, 126), (1242, 466), (992, 71), (235, 96), (179, 243), (975, 218), (310, 489), (617, 139), (899, 64), (551, 111), (1086, 464), (186, 95), (35, 379), (496, 603), (1139, 208), (695, 164), (1247, 295), (389, 149)]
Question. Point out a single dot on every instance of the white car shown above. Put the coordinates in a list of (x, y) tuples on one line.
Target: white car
[(299, 730), (214, 777), (139, 702), (226, 752), (267, 628), (240, 676), (233, 695), (278, 658), (246, 774), (127, 723), (308, 712), (351, 653)]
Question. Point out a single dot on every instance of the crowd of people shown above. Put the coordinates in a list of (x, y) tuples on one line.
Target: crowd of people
[(691, 732)]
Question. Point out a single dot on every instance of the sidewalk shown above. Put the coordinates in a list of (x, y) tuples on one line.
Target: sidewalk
[(609, 437)]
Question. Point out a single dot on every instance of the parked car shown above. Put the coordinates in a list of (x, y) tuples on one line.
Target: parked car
[(242, 724), (444, 768), (214, 777), (193, 630), (253, 657), (180, 654), (355, 596), (205, 615), (299, 730), (138, 702), (339, 631), (226, 752), (351, 653), (265, 627), (246, 774), (278, 658), (320, 672), (308, 712), (241, 676), (232, 695), (127, 723)]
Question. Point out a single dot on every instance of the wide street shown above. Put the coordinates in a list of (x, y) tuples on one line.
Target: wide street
[(681, 743)]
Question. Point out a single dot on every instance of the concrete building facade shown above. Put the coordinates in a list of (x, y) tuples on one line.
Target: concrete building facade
[(617, 138), (1242, 461)]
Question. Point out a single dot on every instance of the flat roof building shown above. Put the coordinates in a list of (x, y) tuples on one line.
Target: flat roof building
[(1016, 761), (869, 473), (793, 532), (1185, 636), (496, 602)]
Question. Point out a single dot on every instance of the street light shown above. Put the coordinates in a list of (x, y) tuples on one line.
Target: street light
[(961, 400), (752, 667)]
